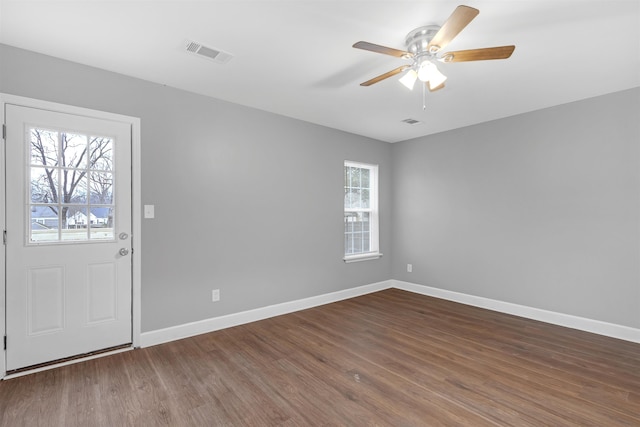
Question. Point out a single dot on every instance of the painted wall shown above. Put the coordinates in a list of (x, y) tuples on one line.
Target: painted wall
[(540, 209), (246, 201)]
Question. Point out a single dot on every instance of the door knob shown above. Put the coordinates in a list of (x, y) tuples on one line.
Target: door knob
[(124, 251)]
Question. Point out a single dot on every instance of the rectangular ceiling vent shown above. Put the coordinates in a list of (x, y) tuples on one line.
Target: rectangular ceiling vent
[(411, 121), (216, 55)]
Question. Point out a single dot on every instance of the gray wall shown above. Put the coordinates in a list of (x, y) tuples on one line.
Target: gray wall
[(246, 201), (540, 209)]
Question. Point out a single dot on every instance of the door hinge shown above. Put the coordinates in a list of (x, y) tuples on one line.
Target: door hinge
[(4, 131), (5, 342), (4, 237)]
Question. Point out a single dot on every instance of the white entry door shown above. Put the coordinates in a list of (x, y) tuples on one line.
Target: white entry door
[(68, 221)]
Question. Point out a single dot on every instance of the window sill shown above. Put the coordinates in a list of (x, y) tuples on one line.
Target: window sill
[(362, 257)]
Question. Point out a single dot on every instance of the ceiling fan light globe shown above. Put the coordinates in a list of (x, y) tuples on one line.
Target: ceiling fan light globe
[(409, 79), (436, 78), (425, 70)]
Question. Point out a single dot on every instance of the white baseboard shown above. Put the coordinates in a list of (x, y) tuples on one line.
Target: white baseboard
[(173, 333), (589, 325), (186, 330)]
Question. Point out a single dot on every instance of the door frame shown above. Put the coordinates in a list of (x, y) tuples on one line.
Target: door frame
[(136, 207)]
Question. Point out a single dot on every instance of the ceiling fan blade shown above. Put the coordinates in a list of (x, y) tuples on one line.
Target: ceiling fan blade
[(385, 75), (440, 86), (383, 49), (500, 52), (459, 19)]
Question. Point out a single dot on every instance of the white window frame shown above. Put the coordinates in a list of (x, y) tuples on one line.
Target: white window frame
[(373, 210)]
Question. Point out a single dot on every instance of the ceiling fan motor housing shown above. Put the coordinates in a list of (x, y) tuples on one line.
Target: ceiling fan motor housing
[(418, 40)]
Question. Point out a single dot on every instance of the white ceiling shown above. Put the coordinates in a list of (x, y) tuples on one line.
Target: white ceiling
[(295, 57)]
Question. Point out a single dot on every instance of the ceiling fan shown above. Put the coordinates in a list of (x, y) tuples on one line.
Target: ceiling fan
[(423, 49)]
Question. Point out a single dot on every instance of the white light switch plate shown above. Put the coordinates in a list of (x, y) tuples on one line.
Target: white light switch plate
[(149, 211)]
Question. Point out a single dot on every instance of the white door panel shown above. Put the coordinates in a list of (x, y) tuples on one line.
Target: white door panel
[(102, 292), (45, 300), (68, 198)]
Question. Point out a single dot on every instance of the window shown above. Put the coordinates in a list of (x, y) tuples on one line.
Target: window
[(360, 212), (71, 187)]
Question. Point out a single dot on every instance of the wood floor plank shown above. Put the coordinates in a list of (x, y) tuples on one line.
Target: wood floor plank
[(390, 358), (536, 372), (519, 345), (428, 368), (375, 389), (460, 377), (289, 379)]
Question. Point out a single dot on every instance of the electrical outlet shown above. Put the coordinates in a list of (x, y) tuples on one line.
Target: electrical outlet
[(409, 268), (215, 295)]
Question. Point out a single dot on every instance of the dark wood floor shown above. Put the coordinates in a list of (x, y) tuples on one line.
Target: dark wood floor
[(390, 358)]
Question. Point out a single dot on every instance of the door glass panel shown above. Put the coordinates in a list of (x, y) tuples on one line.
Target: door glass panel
[(101, 226), (101, 187), (44, 223), (74, 223), (71, 187), (44, 184), (74, 150), (101, 153), (76, 191), (44, 147)]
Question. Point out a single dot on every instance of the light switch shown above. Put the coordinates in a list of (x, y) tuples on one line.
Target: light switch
[(149, 211)]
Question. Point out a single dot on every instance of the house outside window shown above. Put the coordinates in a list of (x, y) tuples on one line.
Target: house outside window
[(360, 212)]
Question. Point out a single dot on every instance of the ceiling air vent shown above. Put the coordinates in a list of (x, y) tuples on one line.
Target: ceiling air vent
[(216, 55), (411, 121)]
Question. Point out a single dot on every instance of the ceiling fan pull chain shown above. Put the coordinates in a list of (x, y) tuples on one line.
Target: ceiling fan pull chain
[(424, 96)]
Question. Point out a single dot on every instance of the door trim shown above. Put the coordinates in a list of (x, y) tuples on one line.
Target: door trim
[(136, 207)]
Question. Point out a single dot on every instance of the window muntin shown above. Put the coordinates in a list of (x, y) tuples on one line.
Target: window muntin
[(70, 184), (360, 210)]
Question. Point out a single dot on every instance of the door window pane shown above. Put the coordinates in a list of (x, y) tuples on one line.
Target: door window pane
[(74, 223), (44, 147), (101, 225), (76, 186), (44, 224), (44, 185), (74, 150), (101, 153), (101, 187)]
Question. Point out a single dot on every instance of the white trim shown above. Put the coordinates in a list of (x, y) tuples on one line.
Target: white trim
[(362, 257), (581, 323), (214, 324), (136, 204), (3, 224), (136, 230)]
